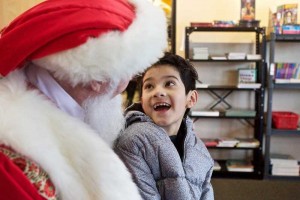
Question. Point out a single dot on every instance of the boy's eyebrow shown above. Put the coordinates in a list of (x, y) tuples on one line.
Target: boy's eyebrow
[(168, 76)]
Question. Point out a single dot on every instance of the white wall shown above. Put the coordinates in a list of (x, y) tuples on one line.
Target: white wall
[(9, 9)]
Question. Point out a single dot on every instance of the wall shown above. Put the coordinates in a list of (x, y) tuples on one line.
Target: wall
[(12, 8)]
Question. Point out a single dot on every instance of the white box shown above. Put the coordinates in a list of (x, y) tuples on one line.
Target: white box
[(246, 75)]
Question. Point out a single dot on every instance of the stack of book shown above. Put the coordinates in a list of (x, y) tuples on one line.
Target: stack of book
[(231, 142), (200, 53), (236, 56), (247, 143), (217, 166), (210, 142), (247, 78), (287, 73), (246, 75), (218, 57), (253, 56), (240, 113), (201, 24), (224, 23), (201, 85), (248, 85), (227, 142), (239, 166), (207, 113), (284, 165)]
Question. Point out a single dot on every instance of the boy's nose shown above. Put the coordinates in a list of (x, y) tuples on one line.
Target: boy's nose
[(159, 93)]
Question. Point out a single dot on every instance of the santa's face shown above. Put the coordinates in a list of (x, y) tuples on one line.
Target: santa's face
[(102, 103)]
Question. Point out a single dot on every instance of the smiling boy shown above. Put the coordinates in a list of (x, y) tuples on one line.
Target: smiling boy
[(158, 146)]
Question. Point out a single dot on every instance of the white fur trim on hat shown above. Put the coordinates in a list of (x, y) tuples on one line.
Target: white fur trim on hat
[(114, 55)]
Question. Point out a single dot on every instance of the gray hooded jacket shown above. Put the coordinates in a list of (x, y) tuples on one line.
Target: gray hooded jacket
[(155, 163)]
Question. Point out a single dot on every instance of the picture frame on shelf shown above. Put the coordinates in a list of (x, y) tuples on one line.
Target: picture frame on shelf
[(248, 10)]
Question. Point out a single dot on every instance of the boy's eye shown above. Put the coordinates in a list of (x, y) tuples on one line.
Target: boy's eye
[(170, 83), (148, 86)]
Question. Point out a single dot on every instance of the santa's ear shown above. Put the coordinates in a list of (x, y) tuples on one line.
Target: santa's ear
[(99, 86)]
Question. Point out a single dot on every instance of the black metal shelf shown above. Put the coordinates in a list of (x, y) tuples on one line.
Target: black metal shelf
[(285, 132), (270, 131), (284, 37), (221, 92), (276, 177), (286, 85)]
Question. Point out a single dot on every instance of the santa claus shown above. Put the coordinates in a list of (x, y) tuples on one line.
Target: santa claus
[(64, 63)]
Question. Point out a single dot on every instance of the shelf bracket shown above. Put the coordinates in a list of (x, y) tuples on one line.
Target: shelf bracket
[(221, 98)]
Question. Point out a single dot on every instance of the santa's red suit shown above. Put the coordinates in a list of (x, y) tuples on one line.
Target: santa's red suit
[(46, 153)]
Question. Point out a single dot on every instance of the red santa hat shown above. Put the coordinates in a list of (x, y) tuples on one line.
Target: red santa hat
[(82, 40)]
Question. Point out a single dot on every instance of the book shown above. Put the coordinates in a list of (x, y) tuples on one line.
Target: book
[(205, 113), (200, 53), (253, 56), (282, 80), (201, 24), (285, 174), (227, 142), (236, 56), (218, 57), (249, 85), (293, 80), (287, 73), (210, 142), (240, 113), (217, 166), (224, 23), (283, 160), (247, 142), (246, 75), (239, 166), (201, 85), (285, 170), (200, 56)]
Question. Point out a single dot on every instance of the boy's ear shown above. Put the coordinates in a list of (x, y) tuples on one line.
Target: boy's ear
[(192, 98)]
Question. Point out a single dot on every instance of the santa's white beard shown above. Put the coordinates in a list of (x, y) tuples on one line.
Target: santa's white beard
[(105, 116)]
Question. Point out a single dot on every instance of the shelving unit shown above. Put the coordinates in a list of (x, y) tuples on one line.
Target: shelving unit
[(222, 92), (272, 86)]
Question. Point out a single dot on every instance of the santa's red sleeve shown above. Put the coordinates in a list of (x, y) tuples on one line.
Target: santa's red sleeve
[(13, 183)]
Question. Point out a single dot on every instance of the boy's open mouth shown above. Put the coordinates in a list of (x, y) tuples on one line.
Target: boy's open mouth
[(161, 106)]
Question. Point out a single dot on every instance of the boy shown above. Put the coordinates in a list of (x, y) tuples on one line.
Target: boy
[(158, 145)]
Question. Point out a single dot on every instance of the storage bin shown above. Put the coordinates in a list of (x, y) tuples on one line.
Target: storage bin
[(285, 120)]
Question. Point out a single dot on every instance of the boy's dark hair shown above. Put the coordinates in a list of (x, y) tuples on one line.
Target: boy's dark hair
[(188, 73)]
